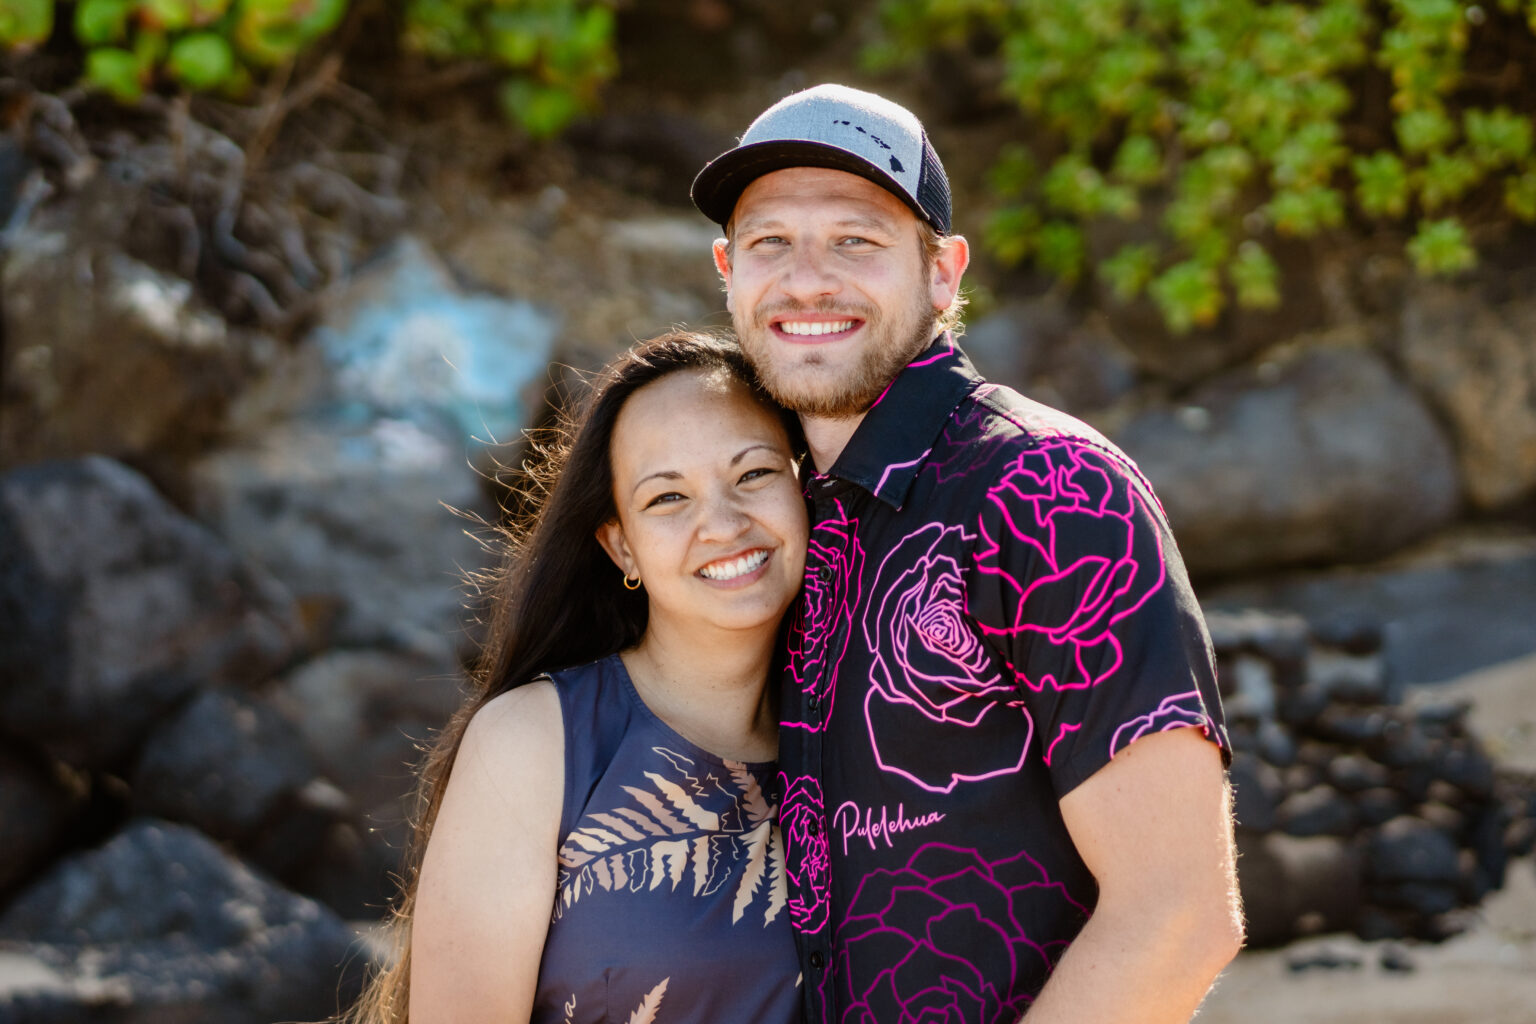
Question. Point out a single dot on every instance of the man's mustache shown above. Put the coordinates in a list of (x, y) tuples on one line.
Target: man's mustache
[(826, 307)]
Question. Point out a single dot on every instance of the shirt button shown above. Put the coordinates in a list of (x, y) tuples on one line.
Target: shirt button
[(813, 702), (817, 960), (815, 826), (824, 573)]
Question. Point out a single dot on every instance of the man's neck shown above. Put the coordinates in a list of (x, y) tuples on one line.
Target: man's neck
[(827, 437)]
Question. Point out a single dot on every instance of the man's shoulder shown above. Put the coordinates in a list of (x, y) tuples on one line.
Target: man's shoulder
[(1035, 422), (994, 426)]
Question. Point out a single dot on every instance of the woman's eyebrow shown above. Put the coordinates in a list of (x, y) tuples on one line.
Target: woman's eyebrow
[(672, 474), (660, 474), (752, 448)]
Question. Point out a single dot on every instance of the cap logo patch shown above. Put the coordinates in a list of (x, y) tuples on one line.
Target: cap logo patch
[(877, 139)]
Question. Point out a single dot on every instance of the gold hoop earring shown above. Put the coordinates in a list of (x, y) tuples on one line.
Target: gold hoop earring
[(631, 586)]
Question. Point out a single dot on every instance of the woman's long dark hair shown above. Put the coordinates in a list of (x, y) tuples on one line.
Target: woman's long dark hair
[(558, 599)]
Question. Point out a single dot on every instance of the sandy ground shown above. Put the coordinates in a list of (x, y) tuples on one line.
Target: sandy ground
[(1486, 975)]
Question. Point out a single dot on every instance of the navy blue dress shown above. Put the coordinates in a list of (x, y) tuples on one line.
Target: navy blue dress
[(671, 899)]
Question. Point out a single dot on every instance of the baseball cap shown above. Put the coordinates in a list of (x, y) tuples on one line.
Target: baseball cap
[(837, 127)]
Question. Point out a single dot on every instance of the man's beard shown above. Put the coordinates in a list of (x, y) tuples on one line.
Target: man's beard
[(808, 388)]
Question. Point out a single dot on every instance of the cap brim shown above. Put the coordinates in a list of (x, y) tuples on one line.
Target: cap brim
[(722, 181)]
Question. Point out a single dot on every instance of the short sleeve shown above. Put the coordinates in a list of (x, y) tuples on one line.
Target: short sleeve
[(1077, 583)]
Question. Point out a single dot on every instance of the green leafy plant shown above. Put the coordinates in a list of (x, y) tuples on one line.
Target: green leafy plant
[(555, 54), (558, 52), (204, 45), (1220, 126), (25, 24)]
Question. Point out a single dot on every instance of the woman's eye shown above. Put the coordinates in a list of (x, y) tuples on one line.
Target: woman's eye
[(753, 474), (664, 499)]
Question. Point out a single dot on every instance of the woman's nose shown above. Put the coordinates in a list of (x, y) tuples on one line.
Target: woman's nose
[(722, 518)]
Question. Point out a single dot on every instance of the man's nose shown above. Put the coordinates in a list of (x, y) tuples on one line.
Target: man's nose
[(810, 275)]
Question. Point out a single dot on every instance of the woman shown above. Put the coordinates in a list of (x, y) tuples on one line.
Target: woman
[(600, 840)]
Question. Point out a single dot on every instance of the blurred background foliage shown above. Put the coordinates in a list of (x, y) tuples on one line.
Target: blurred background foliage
[(1211, 127), (1166, 146), (555, 54)]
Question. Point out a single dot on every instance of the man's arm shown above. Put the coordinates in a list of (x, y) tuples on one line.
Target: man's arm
[(1154, 826)]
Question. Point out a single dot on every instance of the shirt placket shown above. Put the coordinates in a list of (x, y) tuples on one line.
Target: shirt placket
[(817, 948)]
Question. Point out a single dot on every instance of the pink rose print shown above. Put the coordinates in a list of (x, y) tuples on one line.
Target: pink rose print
[(968, 442), (1176, 712), (930, 667), (939, 940), (819, 635), (1076, 508), (802, 821)]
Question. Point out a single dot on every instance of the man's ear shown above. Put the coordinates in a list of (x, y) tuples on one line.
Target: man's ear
[(723, 265), (949, 265), (611, 536)]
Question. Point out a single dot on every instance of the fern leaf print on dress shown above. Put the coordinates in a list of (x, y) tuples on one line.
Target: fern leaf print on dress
[(672, 898)]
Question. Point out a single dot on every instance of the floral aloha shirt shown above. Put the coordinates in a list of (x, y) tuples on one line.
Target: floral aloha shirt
[(993, 608)]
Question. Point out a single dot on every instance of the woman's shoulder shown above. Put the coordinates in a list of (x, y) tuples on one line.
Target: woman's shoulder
[(517, 729)]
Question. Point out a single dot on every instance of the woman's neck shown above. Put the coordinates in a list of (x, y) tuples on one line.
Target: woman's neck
[(713, 692)]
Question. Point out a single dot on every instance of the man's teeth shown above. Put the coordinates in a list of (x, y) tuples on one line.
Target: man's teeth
[(735, 567), (817, 327)]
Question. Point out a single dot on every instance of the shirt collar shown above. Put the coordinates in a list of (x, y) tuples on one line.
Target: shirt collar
[(899, 430)]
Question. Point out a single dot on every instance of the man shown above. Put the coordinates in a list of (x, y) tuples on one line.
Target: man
[(1001, 739)]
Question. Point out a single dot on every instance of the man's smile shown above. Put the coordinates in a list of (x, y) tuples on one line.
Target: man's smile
[(814, 328)]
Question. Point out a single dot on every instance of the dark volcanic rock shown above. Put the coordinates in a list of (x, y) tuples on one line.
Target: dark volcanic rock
[(1465, 766), (1352, 773), (1284, 878), (1275, 744), (1430, 604), (1476, 363), (1423, 899), (115, 606), (103, 353), (1407, 849), (1353, 679), (1322, 457), (1319, 811), (1256, 790), (35, 808), (235, 767), (365, 717), (1380, 804), (160, 926)]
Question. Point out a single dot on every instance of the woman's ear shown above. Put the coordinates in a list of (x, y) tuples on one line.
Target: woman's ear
[(611, 536)]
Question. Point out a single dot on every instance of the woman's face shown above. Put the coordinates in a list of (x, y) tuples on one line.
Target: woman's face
[(709, 509)]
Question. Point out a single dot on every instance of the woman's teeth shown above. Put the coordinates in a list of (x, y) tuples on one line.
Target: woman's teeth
[(735, 567)]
